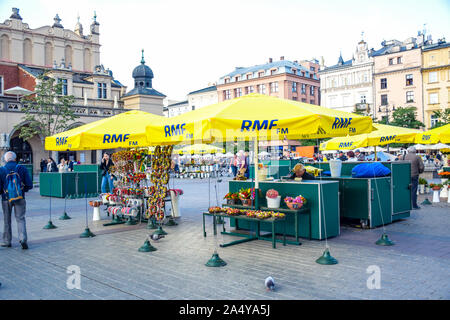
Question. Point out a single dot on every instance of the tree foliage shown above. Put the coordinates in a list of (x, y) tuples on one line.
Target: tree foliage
[(47, 112), (443, 117), (406, 118)]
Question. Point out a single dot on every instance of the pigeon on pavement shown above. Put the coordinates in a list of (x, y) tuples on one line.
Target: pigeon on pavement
[(269, 283), (156, 237)]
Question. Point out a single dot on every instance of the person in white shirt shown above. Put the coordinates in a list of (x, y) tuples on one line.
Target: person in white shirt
[(62, 166)]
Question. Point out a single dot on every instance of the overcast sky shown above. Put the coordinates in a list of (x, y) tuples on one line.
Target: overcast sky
[(189, 44)]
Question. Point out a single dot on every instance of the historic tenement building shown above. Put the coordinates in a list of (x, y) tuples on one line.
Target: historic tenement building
[(284, 79), (72, 58), (347, 86)]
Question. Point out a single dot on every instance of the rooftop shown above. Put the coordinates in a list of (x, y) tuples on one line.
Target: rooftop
[(211, 88)]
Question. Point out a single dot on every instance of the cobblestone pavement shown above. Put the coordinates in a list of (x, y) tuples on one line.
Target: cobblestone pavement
[(417, 267)]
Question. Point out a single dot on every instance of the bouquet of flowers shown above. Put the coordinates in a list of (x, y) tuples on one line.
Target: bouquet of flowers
[(233, 212), (247, 193), (231, 196), (295, 203), (435, 186), (272, 194)]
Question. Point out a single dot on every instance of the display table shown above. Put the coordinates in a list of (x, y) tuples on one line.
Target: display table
[(323, 205), (249, 237), (60, 185)]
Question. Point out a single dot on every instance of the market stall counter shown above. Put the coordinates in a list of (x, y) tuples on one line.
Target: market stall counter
[(322, 201), (64, 184), (367, 198)]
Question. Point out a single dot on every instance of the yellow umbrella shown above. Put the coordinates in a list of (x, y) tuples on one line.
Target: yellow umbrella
[(257, 116), (441, 134), (384, 134), (198, 149), (125, 130)]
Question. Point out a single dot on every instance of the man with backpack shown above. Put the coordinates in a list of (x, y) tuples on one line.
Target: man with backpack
[(14, 182)]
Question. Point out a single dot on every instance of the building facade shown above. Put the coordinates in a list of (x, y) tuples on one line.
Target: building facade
[(72, 58), (397, 76), (284, 79), (204, 97), (436, 80), (348, 86)]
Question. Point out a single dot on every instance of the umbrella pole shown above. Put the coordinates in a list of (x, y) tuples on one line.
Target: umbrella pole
[(255, 161), (375, 148)]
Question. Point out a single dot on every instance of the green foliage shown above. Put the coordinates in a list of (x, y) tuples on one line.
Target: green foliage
[(47, 112), (442, 116), (406, 118)]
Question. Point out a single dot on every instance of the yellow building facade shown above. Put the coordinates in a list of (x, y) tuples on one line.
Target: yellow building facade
[(436, 80)]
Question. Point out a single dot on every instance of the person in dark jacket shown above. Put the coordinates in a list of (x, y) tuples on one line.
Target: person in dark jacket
[(18, 205), (300, 172), (70, 165), (51, 165), (43, 165), (108, 179), (417, 167)]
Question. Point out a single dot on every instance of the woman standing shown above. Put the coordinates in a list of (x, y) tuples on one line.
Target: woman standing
[(62, 166), (51, 165), (107, 177)]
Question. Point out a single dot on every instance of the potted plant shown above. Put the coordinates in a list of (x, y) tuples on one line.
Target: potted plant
[(232, 197), (273, 198), (422, 183), (435, 186), (295, 203), (246, 196)]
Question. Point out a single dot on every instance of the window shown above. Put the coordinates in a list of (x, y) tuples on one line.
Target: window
[(433, 77), (362, 98), (384, 83), (365, 77), (294, 98), (261, 74), (433, 98), (311, 91), (1, 86), (294, 86), (303, 88), (312, 68), (238, 78), (391, 61), (303, 99), (249, 76), (272, 72), (409, 96), (399, 60), (226, 95), (433, 120), (409, 80), (274, 87), (237, 92), (311, 101), (262, 88), (249, 89), (101, 90), (64, 86), (227, 80), (384, 100)]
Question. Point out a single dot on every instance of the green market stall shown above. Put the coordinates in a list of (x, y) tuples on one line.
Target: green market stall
[(322, 220), (72, 184), (374, 201)]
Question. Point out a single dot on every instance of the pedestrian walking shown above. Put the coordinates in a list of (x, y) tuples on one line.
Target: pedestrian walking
[(234, 164), (14, 182), (417, 167), (108, 179)]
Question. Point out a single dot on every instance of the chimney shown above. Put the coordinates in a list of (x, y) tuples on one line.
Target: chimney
[(270, 60), (282, 58)]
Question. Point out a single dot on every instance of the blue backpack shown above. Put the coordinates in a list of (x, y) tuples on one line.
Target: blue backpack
[(13, 186)]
